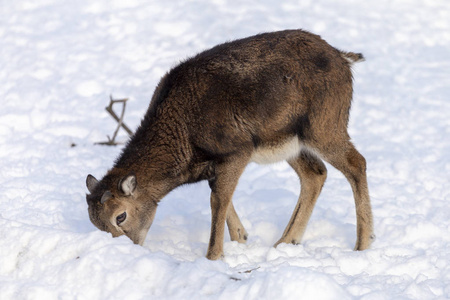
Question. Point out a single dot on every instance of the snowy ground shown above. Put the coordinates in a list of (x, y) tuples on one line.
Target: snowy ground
[(60, 61)]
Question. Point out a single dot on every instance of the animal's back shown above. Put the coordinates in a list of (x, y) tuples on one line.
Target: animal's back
[(261, 91)]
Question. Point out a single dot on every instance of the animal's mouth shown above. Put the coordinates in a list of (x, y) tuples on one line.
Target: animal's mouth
[(139, 238)]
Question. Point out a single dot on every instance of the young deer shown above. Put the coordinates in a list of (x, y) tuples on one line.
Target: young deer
[(266, 98)]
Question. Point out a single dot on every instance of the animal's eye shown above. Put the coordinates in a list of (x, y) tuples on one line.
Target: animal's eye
[(120, 218)]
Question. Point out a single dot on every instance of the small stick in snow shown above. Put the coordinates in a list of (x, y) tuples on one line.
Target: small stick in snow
[(111, 141), (249, 271), (243, 272)]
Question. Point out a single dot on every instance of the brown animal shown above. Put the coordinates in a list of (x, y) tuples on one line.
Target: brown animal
[(266, 98)]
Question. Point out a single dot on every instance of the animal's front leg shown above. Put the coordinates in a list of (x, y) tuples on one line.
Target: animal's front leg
[(227, 175), (235, 227)]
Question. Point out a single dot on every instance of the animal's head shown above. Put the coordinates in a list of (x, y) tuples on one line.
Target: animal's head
[(117, 205)]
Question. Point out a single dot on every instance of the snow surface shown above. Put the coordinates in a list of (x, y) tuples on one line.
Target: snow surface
[(60, 61)]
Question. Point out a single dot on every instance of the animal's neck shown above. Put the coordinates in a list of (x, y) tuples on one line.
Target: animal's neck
[(159, 152)]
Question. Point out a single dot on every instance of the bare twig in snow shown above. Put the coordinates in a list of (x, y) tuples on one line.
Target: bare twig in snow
[(109, 109), (243, 272)]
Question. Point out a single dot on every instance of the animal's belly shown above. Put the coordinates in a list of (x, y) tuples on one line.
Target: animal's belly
[(267, 155)]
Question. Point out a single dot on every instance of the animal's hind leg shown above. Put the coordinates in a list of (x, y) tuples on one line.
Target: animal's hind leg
[(235, 227), (312, 173), (352, 164)]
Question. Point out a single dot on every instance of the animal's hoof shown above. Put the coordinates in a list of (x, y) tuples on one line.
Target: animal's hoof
[(214, 256)]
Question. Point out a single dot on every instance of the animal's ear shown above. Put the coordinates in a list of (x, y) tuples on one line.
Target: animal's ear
[(128, 185), (91, 183), (106, 196)]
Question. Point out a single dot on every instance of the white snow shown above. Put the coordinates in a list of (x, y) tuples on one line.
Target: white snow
[(60, 61)]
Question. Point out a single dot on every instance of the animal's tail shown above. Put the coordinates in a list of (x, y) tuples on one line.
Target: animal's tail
[(352, 57)]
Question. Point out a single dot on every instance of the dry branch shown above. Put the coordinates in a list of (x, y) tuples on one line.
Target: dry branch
[(109, 109)]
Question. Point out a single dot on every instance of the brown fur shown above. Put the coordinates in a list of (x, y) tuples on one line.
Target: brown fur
[(275, 96)]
